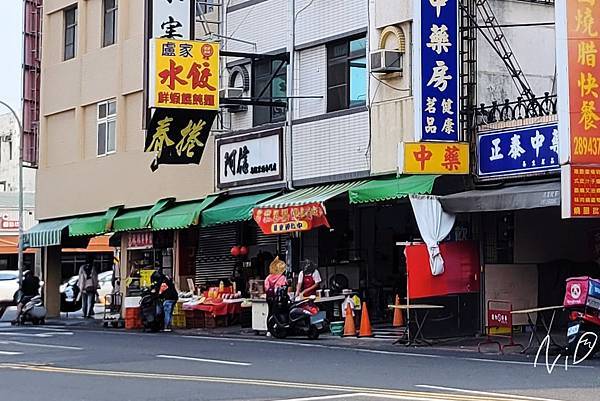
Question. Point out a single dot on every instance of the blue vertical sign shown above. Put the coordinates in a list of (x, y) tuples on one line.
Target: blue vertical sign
[(436, 73)]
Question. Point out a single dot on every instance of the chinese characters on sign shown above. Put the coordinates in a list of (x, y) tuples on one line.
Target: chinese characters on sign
[(184, 74), (521, 151), (434, 158), (290, 219), (178, 136), (173, 19), (436, 70), (140, 240), (585, 187)]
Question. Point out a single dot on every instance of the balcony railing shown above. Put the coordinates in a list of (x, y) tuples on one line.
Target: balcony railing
[(517, 110)]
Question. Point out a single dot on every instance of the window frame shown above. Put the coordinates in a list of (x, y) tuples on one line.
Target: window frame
[(347, 59), (66, 29), (274, 115), (106, 120), (107, 13)]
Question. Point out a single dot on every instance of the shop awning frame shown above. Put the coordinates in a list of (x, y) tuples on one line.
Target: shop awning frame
[(235, 209), (305, 196), (94, 225), (46, 233), (381, 190), (139, 219), (181, 215)]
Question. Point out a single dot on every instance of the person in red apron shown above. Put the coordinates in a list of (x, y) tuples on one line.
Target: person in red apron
[(309, 279)]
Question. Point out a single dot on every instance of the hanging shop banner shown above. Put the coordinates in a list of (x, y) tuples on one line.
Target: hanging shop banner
[(250, 159), (172, 19), (290, 219), (184, 74), (139, 240), (178, 136), (436, 70), (518, 152), (584, 197), (433, 158)]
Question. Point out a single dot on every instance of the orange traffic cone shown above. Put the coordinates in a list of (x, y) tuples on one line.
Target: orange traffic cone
[(365, 323), (349, 326), (398, 317)]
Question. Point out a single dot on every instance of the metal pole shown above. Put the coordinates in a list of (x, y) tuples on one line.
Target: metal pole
[(20, 260)]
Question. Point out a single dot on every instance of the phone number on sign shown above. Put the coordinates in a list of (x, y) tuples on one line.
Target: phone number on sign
[(586, 146)]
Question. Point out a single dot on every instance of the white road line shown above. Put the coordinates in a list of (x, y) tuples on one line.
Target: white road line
[(486, 393), (521, 363), (362, 395), (42, 345), (37, 335), (218, 361), (10, 353), (322, 397)]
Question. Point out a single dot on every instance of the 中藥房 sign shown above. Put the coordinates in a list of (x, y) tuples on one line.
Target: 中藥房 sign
[(436, 70), (433, 158), (184, 74), (290, 219), (520, 151), (250, 159), (178, 136), (172, 19)]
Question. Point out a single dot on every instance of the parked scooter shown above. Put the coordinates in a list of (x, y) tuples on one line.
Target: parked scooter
[(151, 311), (582, 301), (33, 309), (294, 318)]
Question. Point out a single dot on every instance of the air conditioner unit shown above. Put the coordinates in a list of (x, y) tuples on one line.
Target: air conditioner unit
[(386, 61), (231, 93)]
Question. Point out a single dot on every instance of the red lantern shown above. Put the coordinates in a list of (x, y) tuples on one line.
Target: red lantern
[(243, 251), (235, 251)]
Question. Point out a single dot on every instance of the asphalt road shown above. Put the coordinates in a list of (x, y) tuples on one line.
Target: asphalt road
[(52, 363)]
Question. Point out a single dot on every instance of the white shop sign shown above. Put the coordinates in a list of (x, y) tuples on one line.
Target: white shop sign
[(172, 19), (250, 159)]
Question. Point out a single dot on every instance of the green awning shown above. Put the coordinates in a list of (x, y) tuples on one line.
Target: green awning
[(305, 196), (139, 219), (46, 233), (97, 224), (238, 208), (392, 188), (182, 215)]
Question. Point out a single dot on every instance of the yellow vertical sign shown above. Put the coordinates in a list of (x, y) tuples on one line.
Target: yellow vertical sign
[(184, 74)]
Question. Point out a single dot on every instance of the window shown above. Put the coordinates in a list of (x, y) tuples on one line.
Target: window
[(70, 15), (277, 88), (110, 22), (346, 74), (107, 127)]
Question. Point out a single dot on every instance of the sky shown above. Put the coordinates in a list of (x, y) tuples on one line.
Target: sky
[(11, 28)]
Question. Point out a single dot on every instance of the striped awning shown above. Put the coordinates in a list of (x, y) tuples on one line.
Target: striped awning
[(305, 196), (46, 233)]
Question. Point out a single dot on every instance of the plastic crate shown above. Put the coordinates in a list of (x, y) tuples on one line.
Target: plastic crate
[(178, 310), (179, 321), (194, 319), (214, 321)]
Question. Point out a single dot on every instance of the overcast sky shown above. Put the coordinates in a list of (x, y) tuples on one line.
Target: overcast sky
[(11, 27)]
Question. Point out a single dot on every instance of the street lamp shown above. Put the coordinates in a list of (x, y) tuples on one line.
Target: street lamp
[(20, 258)]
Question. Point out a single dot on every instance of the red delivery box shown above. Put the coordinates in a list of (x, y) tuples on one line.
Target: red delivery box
[(578, 290)]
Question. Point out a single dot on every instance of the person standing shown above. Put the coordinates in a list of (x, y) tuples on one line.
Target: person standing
[(88, 286), (309, 279), (168, 294)]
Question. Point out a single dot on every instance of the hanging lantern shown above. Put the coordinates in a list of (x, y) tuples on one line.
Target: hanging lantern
[(243, 251), (235, 251)]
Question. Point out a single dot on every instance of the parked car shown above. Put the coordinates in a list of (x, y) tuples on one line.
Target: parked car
[(69, 292), (9, 284)]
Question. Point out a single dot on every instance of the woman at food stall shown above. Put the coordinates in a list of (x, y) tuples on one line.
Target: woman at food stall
[(276, 277), (309, 279)]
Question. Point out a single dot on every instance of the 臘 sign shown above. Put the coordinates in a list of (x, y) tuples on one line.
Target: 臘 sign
[(290, 219), (184, 74), (250, 159), (433, 158), (520, 151), (583, 184), (178, 136), (436, 70), (173, 19), (139, 240)]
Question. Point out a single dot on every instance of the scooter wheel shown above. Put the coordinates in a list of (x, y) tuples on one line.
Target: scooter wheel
[(276, 330), (313, 333), (35, 322)]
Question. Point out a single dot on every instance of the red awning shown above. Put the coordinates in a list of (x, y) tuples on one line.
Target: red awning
[(9, 245)]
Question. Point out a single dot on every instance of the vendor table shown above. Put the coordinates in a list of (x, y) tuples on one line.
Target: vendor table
[(418, 338), (533, 326)]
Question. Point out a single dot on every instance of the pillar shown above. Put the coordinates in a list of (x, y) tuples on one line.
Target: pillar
[(52, 278)]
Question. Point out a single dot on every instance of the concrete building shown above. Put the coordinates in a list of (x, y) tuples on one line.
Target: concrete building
[(9, 158)]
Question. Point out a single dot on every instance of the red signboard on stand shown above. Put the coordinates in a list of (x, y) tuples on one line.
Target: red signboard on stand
[(290, 219)]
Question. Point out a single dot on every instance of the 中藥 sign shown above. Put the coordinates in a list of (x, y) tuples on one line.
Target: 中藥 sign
[(520, 151), (436, 70), (250, 159), (184, 74), (433, 158)]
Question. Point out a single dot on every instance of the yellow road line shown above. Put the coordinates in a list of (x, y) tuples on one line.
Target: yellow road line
[(417, 395)]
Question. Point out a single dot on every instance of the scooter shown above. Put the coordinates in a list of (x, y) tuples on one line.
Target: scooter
[(294, 318), (33, 311), (151, 311), (582, 301)]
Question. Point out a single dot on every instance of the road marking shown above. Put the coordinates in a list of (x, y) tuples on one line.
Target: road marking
[(41, 345), (363, 395), (37, 335), (519, 363), (406, 394), (187, 358), (486, 393), (10, 353)]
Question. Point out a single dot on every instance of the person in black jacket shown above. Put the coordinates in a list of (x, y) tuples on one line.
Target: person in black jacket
[(168, 294), (30, 287)]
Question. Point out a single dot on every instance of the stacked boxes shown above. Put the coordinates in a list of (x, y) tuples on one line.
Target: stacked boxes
[(133, 319), (179, 320)]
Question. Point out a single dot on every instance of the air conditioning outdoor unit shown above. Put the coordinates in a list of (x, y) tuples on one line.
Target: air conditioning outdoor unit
[(386, 61), (231, 93)]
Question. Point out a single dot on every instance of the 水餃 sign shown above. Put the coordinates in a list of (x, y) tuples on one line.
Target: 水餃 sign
[(433, 158)]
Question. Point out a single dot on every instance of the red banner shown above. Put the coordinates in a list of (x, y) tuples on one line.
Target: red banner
[(585, 191), (290, 219)]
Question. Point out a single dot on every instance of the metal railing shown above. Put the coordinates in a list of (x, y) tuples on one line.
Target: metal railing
[(516, 110)]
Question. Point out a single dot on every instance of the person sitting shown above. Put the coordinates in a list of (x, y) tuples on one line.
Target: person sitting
[(30, 288)]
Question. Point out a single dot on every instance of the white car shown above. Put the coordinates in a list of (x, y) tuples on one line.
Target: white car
[(9, 284), (105, 283)]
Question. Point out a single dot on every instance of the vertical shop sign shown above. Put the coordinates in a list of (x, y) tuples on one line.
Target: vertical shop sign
[(578, 42), (436, 70), (172, 19)]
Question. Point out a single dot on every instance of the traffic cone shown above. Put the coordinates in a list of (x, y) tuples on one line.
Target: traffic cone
[(398, 317), (349, 327), (365, 323)]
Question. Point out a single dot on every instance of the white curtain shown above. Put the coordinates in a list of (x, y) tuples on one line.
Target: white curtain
[(434, 225)]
